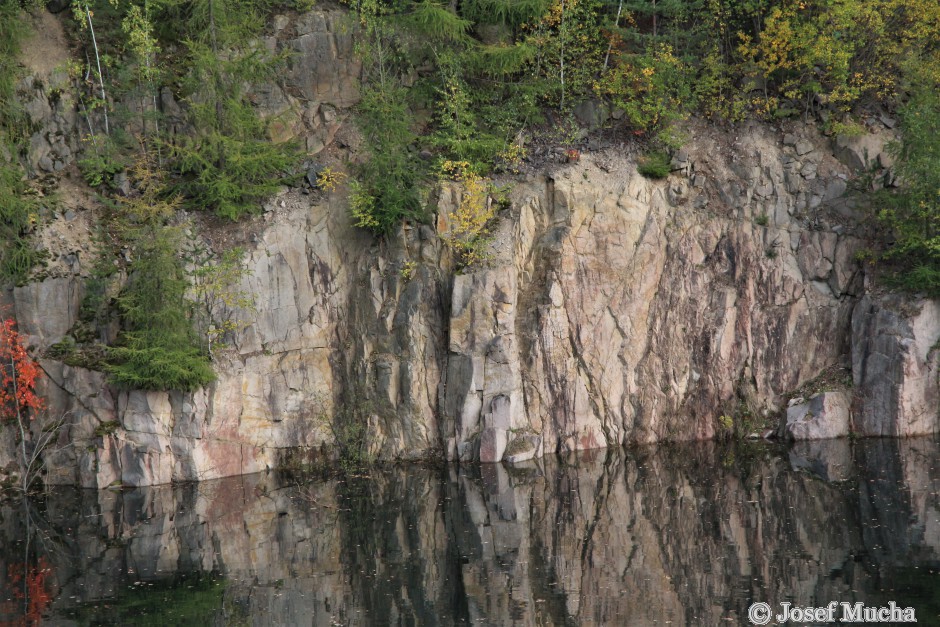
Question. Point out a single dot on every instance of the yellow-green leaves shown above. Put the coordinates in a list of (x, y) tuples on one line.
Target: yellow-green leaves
[(468, 226)]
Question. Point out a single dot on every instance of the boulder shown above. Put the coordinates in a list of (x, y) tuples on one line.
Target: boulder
[(862, 152), (825, 415), (522, 448), (592, 114), (804, 147)]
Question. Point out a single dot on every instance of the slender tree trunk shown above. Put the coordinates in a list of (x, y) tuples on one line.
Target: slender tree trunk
[(91, 131), (562, 35), (610, 45), (654, 19), (104, 97), (29, 536), (156, 117), (19, 423)]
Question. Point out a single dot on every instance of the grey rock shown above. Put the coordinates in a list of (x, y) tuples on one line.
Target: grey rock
[(45, 311), (281, 22), (835, 188), (863, 151), (592, 113), (895, 365), (492, 445), (122, 183), (826, 415), (766, 190), (323, 66), (313, 173), (804, 147), (483, 344)]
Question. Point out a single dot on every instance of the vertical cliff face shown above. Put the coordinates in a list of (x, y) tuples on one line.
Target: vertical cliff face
[(281, 372), (612, 309), (627, 310), (895, 365)]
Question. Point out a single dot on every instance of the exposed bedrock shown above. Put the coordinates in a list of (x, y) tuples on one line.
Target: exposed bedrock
[(895, 365), (611, 310)]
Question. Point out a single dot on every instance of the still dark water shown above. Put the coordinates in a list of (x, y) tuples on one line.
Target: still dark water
[(682, 535)]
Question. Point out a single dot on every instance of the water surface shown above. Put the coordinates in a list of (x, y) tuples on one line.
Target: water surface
[(689, 534)]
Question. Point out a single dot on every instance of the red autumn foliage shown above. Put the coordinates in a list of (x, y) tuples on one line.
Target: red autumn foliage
[(29, 590), (18, 374)]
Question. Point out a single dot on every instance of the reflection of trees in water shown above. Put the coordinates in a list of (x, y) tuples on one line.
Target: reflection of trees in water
[(30, 583), (400, 561), (687, 533)]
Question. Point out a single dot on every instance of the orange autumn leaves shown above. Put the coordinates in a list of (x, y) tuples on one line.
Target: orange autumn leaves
[(29, 591), (18, 375)]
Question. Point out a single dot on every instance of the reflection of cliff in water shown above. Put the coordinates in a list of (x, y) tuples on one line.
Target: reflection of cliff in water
[(690, 534)]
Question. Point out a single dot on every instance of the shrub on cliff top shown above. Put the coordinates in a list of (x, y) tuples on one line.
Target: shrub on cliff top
[(385, 192)]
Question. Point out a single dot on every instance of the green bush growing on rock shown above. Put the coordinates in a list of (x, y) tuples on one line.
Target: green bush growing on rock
[(19, 215), (654, 89), (99, 166), (913, 213), (158, 350), (228, 164), (19, 207), (208, 53), (385, 192), (14, 122), (655, 165)]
